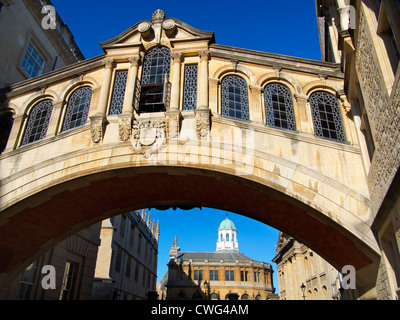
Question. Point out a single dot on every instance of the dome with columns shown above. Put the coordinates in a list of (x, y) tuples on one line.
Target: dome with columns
[(227, 236)]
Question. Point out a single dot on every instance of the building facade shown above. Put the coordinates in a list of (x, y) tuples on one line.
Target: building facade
[(364, 37), (225, 274), (36, 41), (30, 49), (74, 262), (304, 275), (126, 266), (320, 138)]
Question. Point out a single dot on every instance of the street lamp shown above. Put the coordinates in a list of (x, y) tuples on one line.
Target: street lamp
[(303, 289), (206, 286)]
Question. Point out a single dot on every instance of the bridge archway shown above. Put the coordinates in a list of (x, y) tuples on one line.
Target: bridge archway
[(63, 195)]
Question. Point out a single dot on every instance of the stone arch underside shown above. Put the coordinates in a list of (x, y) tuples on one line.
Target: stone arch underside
[(58, 197)]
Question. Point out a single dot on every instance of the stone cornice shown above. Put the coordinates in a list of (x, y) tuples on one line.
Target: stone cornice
[(277, 60), (49, 78)]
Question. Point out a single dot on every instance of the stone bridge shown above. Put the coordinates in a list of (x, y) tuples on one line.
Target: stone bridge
[(168, 118)]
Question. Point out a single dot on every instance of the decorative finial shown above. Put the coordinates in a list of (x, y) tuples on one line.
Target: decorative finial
[(158, 15)]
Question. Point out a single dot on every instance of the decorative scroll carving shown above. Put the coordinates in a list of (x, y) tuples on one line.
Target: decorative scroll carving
[(97, 123), (173, 119), (203, 122), (125, 126), (148, 136)]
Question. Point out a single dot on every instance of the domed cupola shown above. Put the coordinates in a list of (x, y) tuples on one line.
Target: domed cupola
[(227, 236)]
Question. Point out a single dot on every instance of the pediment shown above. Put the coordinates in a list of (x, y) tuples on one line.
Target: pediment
[(158, 30)]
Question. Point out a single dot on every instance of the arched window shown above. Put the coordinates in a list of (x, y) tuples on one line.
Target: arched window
[(78, 108), (222, 237), (227, 237), (279, 106), (154, 88), (38, 122), (235, 102), (245, 297), (327, 117)]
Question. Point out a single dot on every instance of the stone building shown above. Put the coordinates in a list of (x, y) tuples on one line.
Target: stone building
[(325, 138), (126, 266), (28, 50), (74, 262), (298, 265), (364, 37), (225, 274), (34, 43)]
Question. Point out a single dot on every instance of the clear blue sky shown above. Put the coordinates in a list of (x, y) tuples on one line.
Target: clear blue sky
[(285, 27)]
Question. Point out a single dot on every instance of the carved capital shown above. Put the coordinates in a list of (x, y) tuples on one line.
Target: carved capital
[(134, 60), (109, 63), (177, 56), (204, 54)]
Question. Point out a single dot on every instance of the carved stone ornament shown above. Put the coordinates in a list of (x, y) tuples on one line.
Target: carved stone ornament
[(173, 124), (97, 123), (203, 124), (148, 136), (158, 15), (124, 128)]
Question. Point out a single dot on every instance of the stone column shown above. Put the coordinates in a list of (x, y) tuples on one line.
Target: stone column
[(203, 80), (98, 121), (173, 113), (176, 77), (203, 113), (105, 88), (126, 117), (130, 84)]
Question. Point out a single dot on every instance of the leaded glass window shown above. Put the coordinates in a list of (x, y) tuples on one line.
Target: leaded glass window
[(38, 122), (77, 108), (117, 100), (235, 102), (156, 65), (190, 87), (279, 106), (154, 85), (327, 116)]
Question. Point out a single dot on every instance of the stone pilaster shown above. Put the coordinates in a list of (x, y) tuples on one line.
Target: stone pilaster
[(203, 80), (175, 81), (98, 121), (304, 113), (126, 117)]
